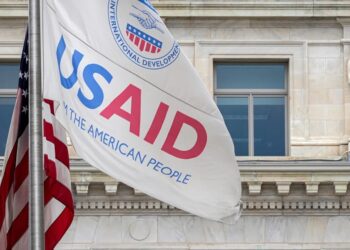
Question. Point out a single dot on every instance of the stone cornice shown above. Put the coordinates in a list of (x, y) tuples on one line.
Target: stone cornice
[(269, 187), (13, 10), (250, 8), (223, 8)]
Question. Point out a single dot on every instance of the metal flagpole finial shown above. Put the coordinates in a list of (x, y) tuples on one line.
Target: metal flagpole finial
[(36, 208)]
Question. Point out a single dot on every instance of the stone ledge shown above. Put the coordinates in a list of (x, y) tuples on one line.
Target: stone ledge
[(217, 8), (250, 8), (211, 246), (277, 187), (149, 206), (14, 10)]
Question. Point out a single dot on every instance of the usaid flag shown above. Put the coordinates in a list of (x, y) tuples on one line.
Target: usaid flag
[(134, 107)]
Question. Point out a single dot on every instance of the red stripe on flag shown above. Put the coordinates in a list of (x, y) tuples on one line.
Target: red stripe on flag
[(21, 172), (50, 167), (18, 227), (54, 189), (57, 229), (61, 150), (51, 104), (16, 175), (6, 181)]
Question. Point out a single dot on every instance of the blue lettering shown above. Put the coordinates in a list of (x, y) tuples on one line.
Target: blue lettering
[(76, 59), (120, 148), (94, 87), (91, 130), (106, 139), (140, 158), (166, 171), (186, 179), (158, 166), (98, 134), (152, 161)]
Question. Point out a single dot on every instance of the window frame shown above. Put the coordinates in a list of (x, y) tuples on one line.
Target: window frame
[(9, 93), (251, 93)]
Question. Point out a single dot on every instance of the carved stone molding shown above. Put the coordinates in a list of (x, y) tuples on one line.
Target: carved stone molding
[(312, 188), (254, 187), (111, 188), (283, 187), (268, 187), (13, 10), (267, 8)]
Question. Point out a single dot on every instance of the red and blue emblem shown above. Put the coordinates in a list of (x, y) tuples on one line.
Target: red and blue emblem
[(141, 34), (143, 41)]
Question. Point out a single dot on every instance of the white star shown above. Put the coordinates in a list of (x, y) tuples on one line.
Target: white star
[(27, 59), (26, 75), (25, 93), (25, 109), (20, 75)]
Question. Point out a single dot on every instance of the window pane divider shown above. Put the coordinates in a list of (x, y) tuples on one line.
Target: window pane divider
[(251, 125), (250, 91), (7, 92)]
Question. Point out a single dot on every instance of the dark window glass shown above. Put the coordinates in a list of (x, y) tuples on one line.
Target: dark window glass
[(6, 108), (9, 75), (250, 75), (269, 126), (235, 113)]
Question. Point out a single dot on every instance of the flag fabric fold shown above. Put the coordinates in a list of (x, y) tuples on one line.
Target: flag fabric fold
[(134, 106), (14, 186)]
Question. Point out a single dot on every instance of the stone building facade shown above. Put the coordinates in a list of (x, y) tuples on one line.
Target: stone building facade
[(299, 200)]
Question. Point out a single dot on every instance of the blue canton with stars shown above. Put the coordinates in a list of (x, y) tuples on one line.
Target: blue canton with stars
[(23, 86)]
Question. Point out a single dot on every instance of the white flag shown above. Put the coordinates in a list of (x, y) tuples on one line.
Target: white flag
[(134, 106)]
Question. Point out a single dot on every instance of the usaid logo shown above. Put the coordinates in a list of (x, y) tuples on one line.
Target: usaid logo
[(141, 35)]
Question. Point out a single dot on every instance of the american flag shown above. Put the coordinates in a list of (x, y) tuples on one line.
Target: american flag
[(14, 186), (143, 41)]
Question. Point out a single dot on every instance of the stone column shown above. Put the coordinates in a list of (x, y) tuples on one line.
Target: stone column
[(345, 22)]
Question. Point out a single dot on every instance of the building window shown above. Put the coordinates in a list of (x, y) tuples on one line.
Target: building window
[(252, 98), (8, 87)]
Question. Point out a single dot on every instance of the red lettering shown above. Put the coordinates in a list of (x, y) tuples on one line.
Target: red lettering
[(157, 123), (198, 147), (134, 116)]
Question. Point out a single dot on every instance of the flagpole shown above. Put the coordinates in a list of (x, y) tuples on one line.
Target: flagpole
[(36, 208)]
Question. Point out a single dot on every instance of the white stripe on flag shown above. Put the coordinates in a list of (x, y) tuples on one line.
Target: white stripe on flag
[(20, 198), (53, 209), (22, 146), (22, 243), (12, 135), (62, 171)]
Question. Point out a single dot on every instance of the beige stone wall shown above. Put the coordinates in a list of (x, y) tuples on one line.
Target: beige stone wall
[(313, 40), (287, 205), (318, 86)]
